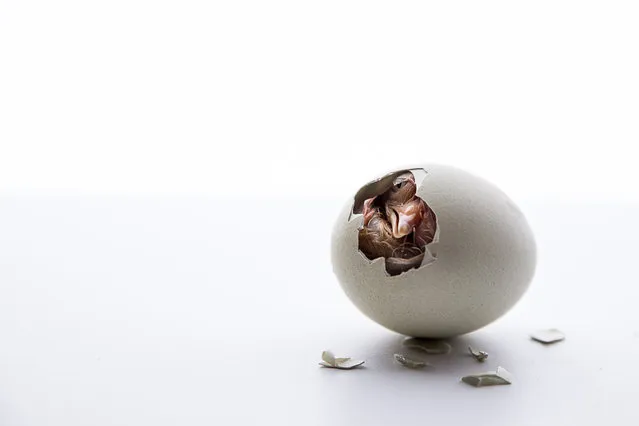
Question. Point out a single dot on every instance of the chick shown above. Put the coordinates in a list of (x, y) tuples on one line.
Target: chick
[(397, 226)]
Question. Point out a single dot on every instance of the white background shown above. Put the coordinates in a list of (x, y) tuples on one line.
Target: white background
[(137, 96), (170, 172)]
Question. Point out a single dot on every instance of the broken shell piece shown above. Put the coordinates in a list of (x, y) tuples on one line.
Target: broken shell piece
[(346, 365), (550, 335), (410, 363), (330, 361), (491, 378), (328, 357), (433, 347), (478, 355)]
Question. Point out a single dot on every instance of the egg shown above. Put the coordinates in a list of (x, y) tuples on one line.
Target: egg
[(432, 251)]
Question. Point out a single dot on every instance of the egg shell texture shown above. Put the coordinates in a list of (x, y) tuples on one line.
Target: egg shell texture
[(485, 257)]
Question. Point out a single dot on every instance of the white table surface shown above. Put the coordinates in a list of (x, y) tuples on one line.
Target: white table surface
[(197, 311)]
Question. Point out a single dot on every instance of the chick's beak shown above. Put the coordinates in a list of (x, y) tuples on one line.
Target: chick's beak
[(403, 219)]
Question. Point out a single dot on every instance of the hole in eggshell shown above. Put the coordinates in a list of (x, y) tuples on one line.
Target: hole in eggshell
[(398, 225)]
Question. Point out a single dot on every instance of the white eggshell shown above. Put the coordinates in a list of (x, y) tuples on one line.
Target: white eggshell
[(484, 258)]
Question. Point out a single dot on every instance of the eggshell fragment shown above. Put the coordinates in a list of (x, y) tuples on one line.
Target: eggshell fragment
[(478, 266), (551, 335), (330, 361), (491, 378), (409, 362), (480, 356)]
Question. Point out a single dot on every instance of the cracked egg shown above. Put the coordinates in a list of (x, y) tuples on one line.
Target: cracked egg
[(432, 251)]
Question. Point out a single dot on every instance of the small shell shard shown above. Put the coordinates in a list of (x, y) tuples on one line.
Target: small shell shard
[(551, 335), (328, 357), (329, 361), (478, 355), (505, 374), (408, 362), (491, 378), (350, 364), (432, 347)]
